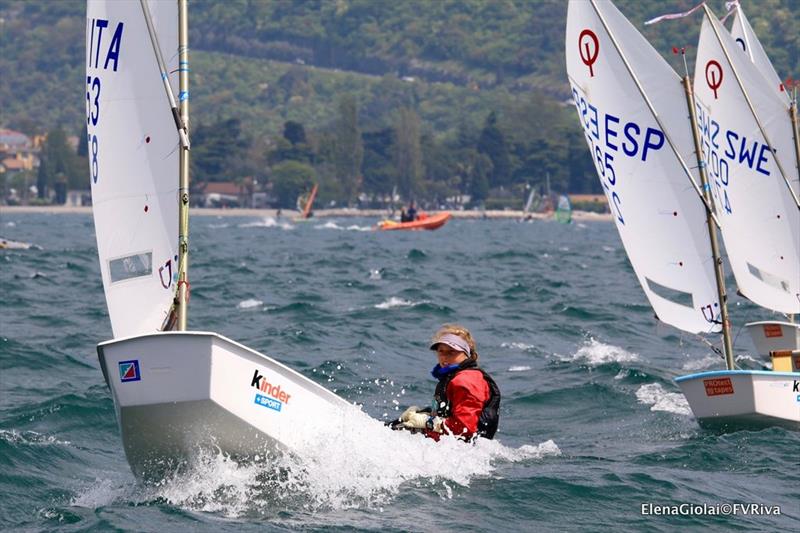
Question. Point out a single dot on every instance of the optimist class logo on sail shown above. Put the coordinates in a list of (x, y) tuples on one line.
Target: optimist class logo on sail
[(274, 398)]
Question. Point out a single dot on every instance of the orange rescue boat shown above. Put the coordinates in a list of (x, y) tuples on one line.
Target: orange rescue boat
[(423, 221)]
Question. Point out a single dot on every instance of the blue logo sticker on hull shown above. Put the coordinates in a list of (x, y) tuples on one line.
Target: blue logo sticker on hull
[(266, 401), (129, 371)]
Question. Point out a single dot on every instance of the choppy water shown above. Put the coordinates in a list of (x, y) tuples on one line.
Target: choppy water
[(592, 424)]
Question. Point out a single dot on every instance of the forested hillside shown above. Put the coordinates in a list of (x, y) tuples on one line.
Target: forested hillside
[(436, 98)]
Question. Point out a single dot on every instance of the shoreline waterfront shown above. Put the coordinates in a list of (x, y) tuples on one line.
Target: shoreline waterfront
[(321, 213)]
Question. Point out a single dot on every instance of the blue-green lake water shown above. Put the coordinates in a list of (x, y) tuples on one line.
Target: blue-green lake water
[(592, 425)]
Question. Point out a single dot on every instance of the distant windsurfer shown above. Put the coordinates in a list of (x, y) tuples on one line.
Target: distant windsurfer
[(466, 402)]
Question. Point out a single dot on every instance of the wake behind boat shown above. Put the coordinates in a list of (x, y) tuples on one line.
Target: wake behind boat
[(175, 391)]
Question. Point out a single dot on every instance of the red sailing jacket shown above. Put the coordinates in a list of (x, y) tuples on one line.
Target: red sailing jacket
[(466, 395)]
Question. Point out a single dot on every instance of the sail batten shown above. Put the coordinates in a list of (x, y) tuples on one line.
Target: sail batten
[(133, 168), (634, 115)]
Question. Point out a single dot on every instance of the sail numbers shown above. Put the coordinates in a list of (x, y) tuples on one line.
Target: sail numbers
[(103, 54), (723, 148), (611, 137)]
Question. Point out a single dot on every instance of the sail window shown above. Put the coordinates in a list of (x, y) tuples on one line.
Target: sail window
[(770, 279), (131, 266), (673, 295)]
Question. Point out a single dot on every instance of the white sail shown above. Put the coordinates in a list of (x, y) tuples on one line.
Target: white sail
[(748, 42), (133, 152), (760, 222), (657, 210)]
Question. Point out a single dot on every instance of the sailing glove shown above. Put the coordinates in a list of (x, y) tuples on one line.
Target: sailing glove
[(423, 421), (408, 412)]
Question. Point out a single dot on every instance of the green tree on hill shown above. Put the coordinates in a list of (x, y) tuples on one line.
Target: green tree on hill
[(379, 172), (408, 153), (218, 151), (492, 142), (59, 166), (289, 179), (348, 151)]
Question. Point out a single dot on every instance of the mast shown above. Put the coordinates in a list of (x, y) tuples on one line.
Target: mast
[(793, 115), (183, 191), (181, 118), (712, 231), (710, 15)]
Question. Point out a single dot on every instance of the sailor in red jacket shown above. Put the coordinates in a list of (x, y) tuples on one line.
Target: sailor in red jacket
[(467, 400)]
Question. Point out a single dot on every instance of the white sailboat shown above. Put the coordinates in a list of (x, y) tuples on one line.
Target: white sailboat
[(175, 391), (747, 143), (633, 109), (770, 335)]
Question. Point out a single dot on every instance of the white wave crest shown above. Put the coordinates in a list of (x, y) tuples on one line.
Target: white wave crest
[(750, 359), (249, 303), (518, 346), (597, 353), (352, 227), (376, 274), (653, 394), (394, 302), (31, 438), (519, 368), (107, 489), (268, 222), (709, 361)]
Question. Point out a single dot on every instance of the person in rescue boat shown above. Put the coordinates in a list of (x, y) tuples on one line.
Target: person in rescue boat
[(466, 402)]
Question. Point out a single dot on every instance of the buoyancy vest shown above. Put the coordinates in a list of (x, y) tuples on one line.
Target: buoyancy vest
[(490, 415)]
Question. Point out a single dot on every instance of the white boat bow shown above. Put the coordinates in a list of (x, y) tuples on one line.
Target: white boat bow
[(180, 392)]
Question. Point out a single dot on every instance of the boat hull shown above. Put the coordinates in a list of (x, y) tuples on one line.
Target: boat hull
[(769, 336), (743, 398), (179, 393), (431, 222)]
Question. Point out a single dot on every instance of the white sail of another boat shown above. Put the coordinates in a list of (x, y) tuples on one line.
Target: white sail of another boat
[(760, 221), (646, 168), (133, 152), (744, 36)]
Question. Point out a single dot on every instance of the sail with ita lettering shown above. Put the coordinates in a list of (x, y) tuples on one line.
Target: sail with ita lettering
[(633, 111), (133, 154), (176, 392)]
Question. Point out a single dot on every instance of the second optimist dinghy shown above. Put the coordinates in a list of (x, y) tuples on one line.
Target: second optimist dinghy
[(174, 390)]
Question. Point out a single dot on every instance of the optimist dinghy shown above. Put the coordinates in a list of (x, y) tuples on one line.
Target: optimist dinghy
[(772, 335), (669, 191), (175, 391)]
